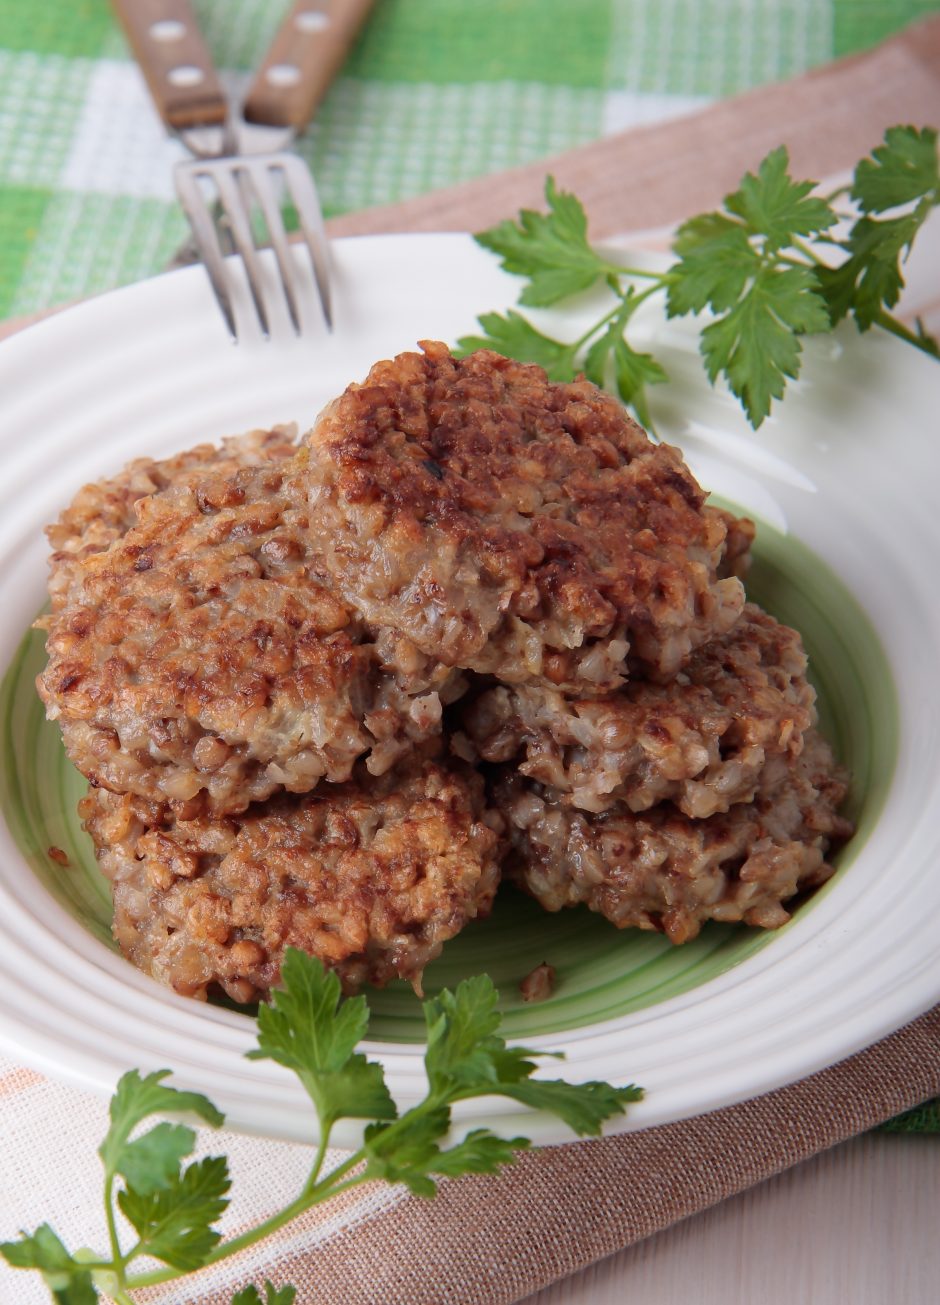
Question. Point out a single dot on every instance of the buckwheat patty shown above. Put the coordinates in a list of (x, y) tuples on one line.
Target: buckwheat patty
[(662, 870), (103, 511), (701, 741), (514, 527), (202, 659), (735, 557), (372, 876)]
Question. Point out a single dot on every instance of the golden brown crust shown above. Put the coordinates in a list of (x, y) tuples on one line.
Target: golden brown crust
[(662, 870), (200, 659), (372, 877), (543, 532), (739, 538), (103, 511), (701, 741)]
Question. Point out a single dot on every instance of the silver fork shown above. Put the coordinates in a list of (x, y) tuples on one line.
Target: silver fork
[(240, 167)]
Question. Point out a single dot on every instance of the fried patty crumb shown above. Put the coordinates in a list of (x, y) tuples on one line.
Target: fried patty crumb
[(662, 870), (701, 741), (515, 527), (538, 984), (200, 659), (372, 876)]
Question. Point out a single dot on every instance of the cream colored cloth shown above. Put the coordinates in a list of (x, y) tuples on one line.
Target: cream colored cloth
[(489, 1240)]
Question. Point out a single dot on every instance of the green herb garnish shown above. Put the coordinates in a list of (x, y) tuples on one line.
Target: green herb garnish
[(172, 1206), (756, 267)]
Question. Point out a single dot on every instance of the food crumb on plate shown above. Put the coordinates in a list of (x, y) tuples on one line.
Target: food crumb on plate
[(538, 984)]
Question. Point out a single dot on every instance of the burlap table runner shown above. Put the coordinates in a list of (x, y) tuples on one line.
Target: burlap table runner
[(490, 1240)]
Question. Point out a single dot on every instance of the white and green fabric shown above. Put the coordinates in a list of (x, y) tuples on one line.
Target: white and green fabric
[(435, 92)]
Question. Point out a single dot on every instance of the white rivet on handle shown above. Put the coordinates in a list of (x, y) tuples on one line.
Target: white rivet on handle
[(311, 20), (185, 75), (168, 29), (283, 75)]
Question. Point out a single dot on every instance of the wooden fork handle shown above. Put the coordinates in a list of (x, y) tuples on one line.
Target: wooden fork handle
[(305, 56), (175, 61)]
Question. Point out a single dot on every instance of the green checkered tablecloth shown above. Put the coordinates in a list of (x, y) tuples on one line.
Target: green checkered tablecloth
[(435, 92)]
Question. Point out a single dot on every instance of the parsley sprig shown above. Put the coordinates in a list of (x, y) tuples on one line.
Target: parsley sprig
[(172, 1206), (757, 268)]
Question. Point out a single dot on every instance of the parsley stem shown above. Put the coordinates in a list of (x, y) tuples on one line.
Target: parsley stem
[(641, 274), (629, 302), (117, 1256), (636, 300), (319, 1158), (808, 251), (329, 1187), (583, 339), (926, 343)]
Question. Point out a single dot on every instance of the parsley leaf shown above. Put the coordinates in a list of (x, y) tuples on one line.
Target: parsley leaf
[(748, 265), (153, 1161), (716, 262), (467, 1058), (733, 264), (135, 1100), (775, 207), (756, 345), (870, 279), (308, 1030), (406, 1151), (584, 1107), (480, 1152), (901, 171), (69, 1281), (550, 249), (633, 371), (272, 1296), (174, 1223), (515, 337)]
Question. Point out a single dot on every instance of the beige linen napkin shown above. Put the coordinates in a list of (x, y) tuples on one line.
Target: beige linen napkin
[(496, 1239)]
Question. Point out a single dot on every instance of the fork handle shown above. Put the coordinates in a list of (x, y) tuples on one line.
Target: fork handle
[(174, 59), (304, 57)]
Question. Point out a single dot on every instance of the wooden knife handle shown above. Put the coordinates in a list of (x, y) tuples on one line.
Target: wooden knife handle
[(174, 59), (305, 56)]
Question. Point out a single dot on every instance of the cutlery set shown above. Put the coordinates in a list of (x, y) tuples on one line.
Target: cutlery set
[(241, 171)]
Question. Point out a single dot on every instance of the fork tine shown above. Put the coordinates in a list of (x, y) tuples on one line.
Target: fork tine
[(193, 203), (260, 173), (239, 220), (303, 195)]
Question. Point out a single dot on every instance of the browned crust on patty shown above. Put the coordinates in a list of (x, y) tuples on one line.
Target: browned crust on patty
[(201, 659), (662, 870), (372, 876), (513, 526), (701, 741), (739, 539), (103, 511)]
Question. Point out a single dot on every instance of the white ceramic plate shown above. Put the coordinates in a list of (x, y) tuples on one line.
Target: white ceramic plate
[(848, 470)]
